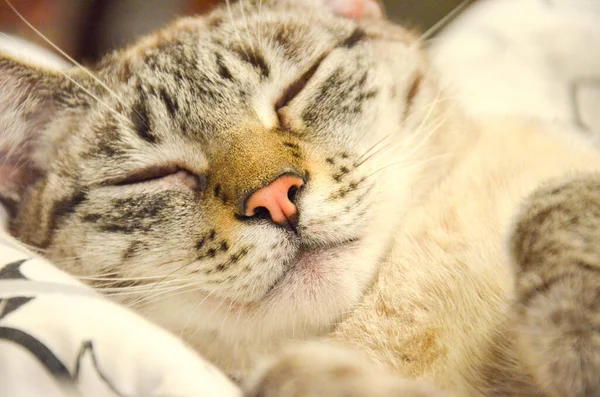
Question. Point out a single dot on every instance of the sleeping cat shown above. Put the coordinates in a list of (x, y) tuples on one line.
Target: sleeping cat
[(286, 178)]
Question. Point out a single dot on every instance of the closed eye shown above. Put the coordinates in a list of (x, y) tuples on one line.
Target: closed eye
[(293, 90), (297, 86), (162, 173)]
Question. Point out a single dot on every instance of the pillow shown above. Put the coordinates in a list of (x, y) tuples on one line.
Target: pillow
[(535, 59), (60, 338)]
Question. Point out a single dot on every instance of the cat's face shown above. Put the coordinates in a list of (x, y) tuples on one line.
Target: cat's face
[(149, 183)]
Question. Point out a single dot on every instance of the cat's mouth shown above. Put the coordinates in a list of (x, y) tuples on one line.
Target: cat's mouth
[(308, 260)]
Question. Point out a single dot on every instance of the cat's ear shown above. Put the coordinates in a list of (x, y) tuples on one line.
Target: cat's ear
[(352, 9), (355, 9), (29, 97)]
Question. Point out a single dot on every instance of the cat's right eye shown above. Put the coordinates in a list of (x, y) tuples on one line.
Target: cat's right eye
[(292, 91), (168, 174), (296, 87)]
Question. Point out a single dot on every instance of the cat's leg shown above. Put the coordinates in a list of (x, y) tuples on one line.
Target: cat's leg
[(319, 369), (556, 247)]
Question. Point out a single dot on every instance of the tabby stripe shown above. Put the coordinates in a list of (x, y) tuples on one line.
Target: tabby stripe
[(141, 122), (60, 210), (412, 92), (546, 285), (542, 288), (140, 118), (254, 58), (170, 103), (223, 70), (587, 267), (356, 37)]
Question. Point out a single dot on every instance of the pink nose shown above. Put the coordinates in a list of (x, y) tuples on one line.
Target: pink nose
[(277, 199)]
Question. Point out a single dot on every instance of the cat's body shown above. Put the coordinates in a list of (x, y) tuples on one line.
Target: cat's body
[(442, 308), (398, 217)]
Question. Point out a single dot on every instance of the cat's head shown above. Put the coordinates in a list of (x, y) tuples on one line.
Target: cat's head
[(240, 173)]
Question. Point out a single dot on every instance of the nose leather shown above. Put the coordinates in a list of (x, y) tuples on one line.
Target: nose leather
[(275, 198)]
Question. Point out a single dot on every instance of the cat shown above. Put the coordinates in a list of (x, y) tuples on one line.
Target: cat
[(287, 179)]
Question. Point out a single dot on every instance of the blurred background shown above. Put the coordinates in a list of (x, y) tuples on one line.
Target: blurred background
[(87, 29)]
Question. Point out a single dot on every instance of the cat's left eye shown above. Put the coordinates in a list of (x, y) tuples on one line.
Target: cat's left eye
[(172, 174)]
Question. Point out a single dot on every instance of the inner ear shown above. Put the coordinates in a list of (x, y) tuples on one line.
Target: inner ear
[(351, 9), (355, 9), (29, 97)]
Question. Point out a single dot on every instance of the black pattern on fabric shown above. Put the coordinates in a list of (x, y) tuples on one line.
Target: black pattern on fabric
[(43, 355), (12, 271), (53, 364), (9, 305)]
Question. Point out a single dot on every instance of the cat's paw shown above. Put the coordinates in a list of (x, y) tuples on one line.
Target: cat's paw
[(556, 251), (319, 369)]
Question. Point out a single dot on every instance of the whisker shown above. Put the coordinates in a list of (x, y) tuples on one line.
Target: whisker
[(171, 278), (226, 315), (74, 62), (113, 111), (169, 275), (367, 154), (442, 23), (92, 278), (272, 37), (409, 164), (247, 26), (193, 312), (216, 308), (430, 107), (235, 26), (431, 132), (156, 297), (381, 150), (260, 24), (125, 292), (110, 285), (151, 298), (406, 145)]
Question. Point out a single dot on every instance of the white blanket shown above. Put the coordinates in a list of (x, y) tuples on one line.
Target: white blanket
[(60, 338), (530, 58)]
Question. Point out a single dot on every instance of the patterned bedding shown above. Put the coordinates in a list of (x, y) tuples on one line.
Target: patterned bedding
[(60, 338)]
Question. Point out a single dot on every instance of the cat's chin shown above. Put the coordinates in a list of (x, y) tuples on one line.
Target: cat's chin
[(320, 287), (310, 266), (306, 265), (305, 274)]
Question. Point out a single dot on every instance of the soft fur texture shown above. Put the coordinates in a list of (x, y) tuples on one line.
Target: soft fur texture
[(405, 249)]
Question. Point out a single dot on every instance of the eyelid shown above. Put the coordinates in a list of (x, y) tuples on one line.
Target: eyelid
[(297, 86), (144, 175), (156, 173)]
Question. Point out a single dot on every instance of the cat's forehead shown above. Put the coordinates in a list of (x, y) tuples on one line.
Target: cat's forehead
[(238, 40), (206, 77), (276, 30), (208, 72)]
